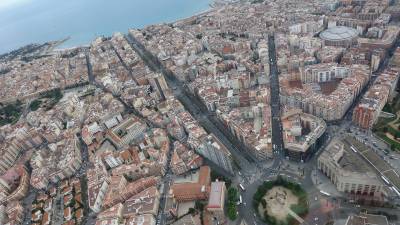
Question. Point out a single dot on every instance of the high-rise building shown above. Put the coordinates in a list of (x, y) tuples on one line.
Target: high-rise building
[(215, 152)]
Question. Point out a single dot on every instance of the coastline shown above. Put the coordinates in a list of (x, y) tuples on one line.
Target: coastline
[(201, 13), (74, 41)]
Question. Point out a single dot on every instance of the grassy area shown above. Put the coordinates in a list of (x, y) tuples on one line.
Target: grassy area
[(393, 106), (10, 113), (35, 105), (394, 132), (300, 209), (383, 122), (382, 127), (47, 100), (394, 145)]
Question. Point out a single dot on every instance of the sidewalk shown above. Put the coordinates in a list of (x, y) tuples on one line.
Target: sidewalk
[(323, 183)]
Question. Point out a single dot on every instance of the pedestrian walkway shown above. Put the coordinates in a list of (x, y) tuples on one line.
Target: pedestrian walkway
[(323, 183), (295, 216)]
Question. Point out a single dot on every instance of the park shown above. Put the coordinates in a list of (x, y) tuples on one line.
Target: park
[(280, 202)]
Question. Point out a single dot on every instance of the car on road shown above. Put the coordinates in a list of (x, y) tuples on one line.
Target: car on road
[(240, 200)]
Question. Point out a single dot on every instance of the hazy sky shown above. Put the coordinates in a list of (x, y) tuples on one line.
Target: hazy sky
[(9, 4)]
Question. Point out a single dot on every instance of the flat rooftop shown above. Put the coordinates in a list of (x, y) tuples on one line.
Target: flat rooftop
[(192, 177), (352, 162), (377, 162), (216, 200), (364, 219)]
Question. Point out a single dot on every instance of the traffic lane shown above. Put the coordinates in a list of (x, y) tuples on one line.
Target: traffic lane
[(191, 104), (246, 210)]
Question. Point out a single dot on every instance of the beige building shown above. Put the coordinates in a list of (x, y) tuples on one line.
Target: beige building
[(127, 131), (188, 220), (98, 182), (216, 202), (348, 171), (145, 202), (56, 162), (303, 134), (331, 106), (11, 149), (14, 184), (323, 72), (367, 219)]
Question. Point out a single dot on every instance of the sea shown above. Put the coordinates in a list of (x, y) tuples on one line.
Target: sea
[(24, 22)]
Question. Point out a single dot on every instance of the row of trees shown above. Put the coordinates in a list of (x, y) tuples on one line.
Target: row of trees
[(217, 176), (52, 98), (300, 209), (233, 197)]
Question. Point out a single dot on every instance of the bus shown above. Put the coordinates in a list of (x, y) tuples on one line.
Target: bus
[(325, 193), (240, 201), (396, 191), (385, 179), (354, 150), (241, 187)]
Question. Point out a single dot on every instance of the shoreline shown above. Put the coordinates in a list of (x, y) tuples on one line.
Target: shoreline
[(201, 13), (68, 43)]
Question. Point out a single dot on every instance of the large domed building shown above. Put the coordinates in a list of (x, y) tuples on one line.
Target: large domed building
[(339, 36)]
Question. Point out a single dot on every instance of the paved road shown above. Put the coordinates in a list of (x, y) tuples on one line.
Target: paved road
[(124, 64), (252, 172), (251, 169), (277, 138), (246, 210), (166, 181), (197, 109)]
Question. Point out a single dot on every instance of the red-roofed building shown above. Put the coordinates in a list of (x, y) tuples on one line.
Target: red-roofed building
[(46, 220), (67, 213), (191, 191)]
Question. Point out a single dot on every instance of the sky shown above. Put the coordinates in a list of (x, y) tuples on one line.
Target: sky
[(10, 4)]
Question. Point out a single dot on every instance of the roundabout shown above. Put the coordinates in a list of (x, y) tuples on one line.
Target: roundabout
[(280, 202)]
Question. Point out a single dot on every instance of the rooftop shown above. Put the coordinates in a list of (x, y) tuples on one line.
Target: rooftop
[(216, 199), (367, 219), (339, 33)]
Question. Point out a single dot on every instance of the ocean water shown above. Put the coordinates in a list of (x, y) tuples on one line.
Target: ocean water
[(36, 21)]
